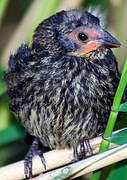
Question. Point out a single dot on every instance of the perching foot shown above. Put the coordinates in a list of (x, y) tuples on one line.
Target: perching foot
[(82, 154), (34, 150)]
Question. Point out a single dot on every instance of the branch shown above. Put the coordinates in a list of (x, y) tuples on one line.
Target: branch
[(54, 159), (87, 165)]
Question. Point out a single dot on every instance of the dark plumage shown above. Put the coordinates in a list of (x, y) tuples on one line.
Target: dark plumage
[(62, 87)]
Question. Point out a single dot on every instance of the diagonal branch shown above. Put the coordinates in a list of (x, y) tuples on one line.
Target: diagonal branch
[(54, 159), (58, 158)]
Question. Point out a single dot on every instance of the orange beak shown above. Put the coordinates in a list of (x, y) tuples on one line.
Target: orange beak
[(99, 39)]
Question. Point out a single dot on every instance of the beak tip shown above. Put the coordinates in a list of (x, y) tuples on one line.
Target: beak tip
[(116, 43), (120, 44), (109, 40)]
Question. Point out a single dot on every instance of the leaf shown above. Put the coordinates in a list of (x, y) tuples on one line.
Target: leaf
[(113, 116), (3, 5), (119, 172), (119, 138), (122, 107), (2, 82), (11, 134)]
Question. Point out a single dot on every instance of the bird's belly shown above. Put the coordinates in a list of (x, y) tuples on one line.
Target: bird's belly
[(66, 117), (68, 127)]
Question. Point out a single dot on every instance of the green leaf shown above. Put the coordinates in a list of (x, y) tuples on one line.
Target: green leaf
[(2, 82), (122, 107), (119, 138), (119, 172), (113, 115), (11, 134), (3, 5)]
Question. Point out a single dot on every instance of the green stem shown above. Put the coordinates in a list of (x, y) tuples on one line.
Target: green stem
[(3, 4), (113, 116)]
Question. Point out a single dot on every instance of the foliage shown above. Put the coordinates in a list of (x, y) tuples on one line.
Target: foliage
[(11, 134), (2, 82), (3, 4)]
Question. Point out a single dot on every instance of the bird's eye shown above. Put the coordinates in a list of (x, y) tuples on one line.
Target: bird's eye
[(82, 36)]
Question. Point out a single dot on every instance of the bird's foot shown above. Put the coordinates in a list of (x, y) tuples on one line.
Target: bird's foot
[(34, 150), (82, 153)]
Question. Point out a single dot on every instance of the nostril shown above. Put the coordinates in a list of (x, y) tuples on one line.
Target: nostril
[(105, 36)]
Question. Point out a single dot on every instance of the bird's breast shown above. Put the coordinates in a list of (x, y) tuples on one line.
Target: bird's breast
[(78, 107), (70, 102)]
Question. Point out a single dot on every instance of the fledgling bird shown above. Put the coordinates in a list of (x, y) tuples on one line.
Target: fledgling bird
[(62, 87)]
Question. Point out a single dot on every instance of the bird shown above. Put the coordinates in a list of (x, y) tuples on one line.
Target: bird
[(61, 87)]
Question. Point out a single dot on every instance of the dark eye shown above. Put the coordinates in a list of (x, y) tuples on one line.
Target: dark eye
[(82, 36)]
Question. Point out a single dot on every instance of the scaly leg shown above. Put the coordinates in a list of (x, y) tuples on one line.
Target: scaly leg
[(34, 150)]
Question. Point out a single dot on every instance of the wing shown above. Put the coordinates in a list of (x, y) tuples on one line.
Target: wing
[(15, 76)]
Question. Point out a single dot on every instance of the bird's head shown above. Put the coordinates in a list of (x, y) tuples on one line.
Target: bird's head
[(74, 33)]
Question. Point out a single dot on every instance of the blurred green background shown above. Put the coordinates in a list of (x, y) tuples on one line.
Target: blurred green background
[(18, 19)]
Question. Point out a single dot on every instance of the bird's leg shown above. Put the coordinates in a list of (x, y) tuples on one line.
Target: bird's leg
[(88, 147), (34, 150), (82, 150), (82, 154), (75, 152)]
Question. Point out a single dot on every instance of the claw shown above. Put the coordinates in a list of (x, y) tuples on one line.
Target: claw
[(82, 154), (88, 147), (42, 158), (34, 150), (75, 152), (82, 150)]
